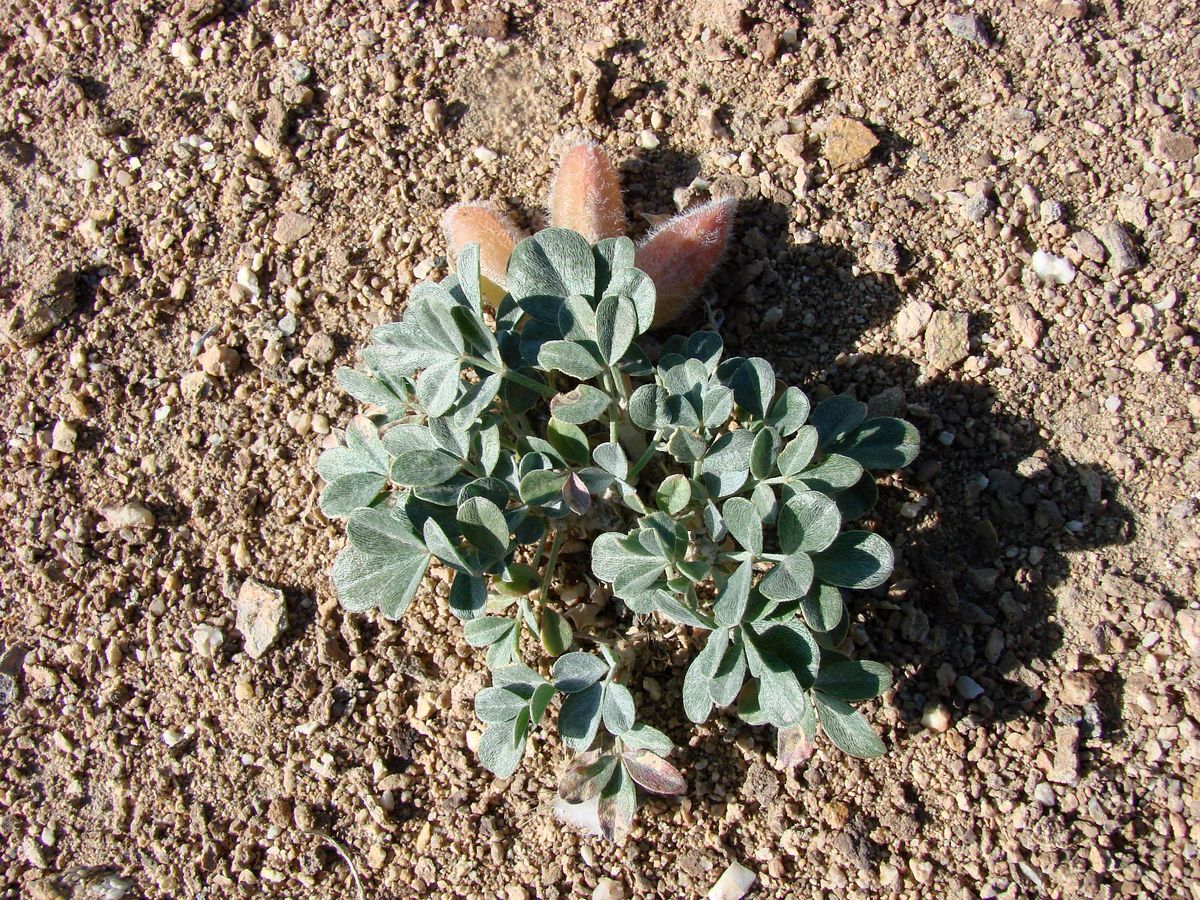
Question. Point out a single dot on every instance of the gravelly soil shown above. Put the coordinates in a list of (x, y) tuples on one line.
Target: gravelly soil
[(238, 191)]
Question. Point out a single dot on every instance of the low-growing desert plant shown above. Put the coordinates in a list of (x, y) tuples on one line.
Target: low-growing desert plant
[(713, 501)]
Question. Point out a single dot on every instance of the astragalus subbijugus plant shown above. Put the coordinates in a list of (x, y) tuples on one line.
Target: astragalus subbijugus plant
[(712, 499)]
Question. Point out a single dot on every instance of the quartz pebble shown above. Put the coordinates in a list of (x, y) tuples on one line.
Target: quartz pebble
[(733, 884)]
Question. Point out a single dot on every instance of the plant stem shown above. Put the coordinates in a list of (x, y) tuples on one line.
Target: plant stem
[(511, 374), (646, 456), (551, 560)]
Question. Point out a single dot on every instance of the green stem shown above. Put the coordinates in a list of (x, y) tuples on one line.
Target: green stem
[(646, 456), (524, 381), (551, 561)]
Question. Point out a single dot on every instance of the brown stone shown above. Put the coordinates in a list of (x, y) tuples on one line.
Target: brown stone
[(848, 144), (292, 227), (43, 310), (1174, 146), (261, 616)]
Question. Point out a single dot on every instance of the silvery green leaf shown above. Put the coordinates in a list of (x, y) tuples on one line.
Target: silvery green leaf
[(685, 446), (499, 704), (789, 579), (753, 386), (616, 327), (484, 526), (722, 484), (404, 436), (789, 411), (621, 561), (612, 255), (438, 386), (798, 453), (444, 547), (344, 495), (744, 524), (714, 524), (846, 727), (474, 398), (611, 458), (730, 453), (697, 701), (764, 452), (489, 448), (823, 608), (468, 271), (540, 700), (476, 333), (595, 480), (809, 521), (518, 676), (580, 405), (834, 473), (648, 407), (372, 391), (670, 606), (377, 532), (487, 630), (674, 494), (544, 310), (859, 499), (853, 680), (781, 698), (637, 286), (707, 347), (389, 582), (643, 737), (792, 644), (730, 673), (499, 751), (653, 773), (554, 262), (420, 468), (617, 708), (429, 309), (573, 672), (765, 502), (882, 443), (450, 437), (577, 319), (542, 486), (579, 717), (731, 602), (569, 441), (856, 559), (569, 358), (468, 596), (835, 417), (716, 405), (495, 489)]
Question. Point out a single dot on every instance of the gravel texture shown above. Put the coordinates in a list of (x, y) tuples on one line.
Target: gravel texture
[(206, 205)]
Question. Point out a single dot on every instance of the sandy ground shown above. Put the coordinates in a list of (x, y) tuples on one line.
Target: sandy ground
[(236, 192)]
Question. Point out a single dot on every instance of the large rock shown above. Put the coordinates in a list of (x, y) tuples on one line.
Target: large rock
[(43, 309), (261, 616), (848, 143), (947, 339)]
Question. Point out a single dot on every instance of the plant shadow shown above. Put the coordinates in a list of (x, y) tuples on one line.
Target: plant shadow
[(984, 523)]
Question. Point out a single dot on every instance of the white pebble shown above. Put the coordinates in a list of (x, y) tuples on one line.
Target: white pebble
[(733, 883), (1052, 269)]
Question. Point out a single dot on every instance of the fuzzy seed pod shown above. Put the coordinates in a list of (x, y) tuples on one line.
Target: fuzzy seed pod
[(496, 235), (681, 254), (586, 196)]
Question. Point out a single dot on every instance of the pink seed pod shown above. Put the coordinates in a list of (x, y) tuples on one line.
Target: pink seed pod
[(496, 236), (586, 195), (681, 254)]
